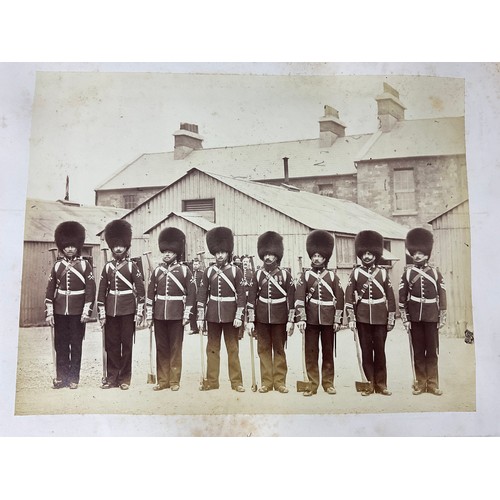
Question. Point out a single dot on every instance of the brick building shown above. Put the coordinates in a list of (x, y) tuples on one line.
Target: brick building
[(407, 170)]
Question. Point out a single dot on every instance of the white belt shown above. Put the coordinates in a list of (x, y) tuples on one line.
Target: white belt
[(322, 302), (70, 292), (222, 299), (422, 300), (120, 292), (373, 301), (170, 297), (272, 301)]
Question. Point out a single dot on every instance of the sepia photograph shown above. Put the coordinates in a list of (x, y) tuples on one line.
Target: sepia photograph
[(318, 223), (251, 249)]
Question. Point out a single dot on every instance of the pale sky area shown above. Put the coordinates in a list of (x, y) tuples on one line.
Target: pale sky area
[(88, 125)]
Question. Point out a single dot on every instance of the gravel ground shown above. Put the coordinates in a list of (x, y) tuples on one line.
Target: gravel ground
[(35, 396)]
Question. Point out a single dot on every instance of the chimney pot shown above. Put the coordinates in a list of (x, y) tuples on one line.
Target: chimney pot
[(187, 139), (390, 108), (285, 167), (330, 127)]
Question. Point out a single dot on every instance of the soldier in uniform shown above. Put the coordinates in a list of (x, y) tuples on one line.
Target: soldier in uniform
[(221, 303), (69, 299), (371, 308), (197, 275), (422, 303), (319, 304), (170, 299), (120, 302), (271, 312)]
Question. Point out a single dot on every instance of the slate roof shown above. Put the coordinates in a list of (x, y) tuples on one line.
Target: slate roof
[(253, 162), (419, 138), (408, 138)]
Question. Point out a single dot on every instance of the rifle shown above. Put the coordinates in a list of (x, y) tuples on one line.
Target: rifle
[(252, 354), (151, 375), (303, 385), (53, 251), (103, 330)]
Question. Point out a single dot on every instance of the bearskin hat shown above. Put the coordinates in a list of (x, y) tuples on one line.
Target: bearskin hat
[(369, 241), (70, 233), (172, 239), (419, 239), (118, 233), (220, 239), (270, 242), (319, 241)]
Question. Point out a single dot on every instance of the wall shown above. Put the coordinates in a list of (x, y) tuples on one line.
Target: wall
[(342, 186), (115, 198), (451, 254), (440, 182)]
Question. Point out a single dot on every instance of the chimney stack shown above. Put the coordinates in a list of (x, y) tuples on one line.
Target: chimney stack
[(285, 167), (330, 127), (187, 139), (390, 108)]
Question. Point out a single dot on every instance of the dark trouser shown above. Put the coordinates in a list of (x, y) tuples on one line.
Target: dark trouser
[(271, 340), (68, 339), (169, 336), (372, 339), (119, 335), (327, 335), (192, 320), (424, 338), (213, 354)]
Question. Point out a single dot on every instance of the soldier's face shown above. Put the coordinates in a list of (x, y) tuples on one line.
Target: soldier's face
[(196, 265), (168, 256), (246, 263), (419, 257), (368, 258), (221, 257), (119, 251), (317, 259), (69, 251), (269, 258)]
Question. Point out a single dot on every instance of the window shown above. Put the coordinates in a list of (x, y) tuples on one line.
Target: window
[(404, 190), (325, 189), (206, 207), (129, 201)]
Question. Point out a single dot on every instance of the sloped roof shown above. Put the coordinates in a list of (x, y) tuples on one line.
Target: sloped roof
[(419, 138), (316, 211), (449, 209), (193, 217), (43, 216), (253, 162)]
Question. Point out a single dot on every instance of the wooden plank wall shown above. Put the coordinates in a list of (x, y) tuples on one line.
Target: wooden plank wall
[(451, 253)]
